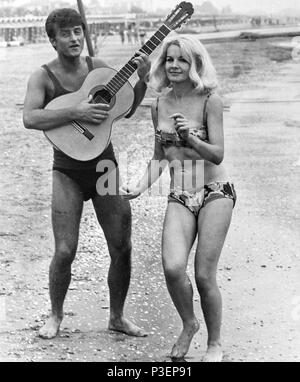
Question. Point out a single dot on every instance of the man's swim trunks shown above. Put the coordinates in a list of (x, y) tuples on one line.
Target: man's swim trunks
[(87, 177)]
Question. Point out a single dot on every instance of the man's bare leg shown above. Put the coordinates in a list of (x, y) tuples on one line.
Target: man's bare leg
[(67, 206), (114, 216)]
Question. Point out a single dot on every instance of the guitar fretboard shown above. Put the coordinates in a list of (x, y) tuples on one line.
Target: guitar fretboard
[(115, 84)]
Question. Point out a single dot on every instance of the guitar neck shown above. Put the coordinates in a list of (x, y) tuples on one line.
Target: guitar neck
[(115, 84)]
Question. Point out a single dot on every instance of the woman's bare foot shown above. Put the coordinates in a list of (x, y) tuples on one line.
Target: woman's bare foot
[(51, 327), (125, 326), (214, 353), (181, 347)]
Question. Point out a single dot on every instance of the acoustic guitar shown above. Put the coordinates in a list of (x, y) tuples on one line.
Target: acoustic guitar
[(85, 141)]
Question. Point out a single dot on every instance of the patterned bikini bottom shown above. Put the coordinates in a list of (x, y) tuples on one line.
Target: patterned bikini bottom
[(211, 191)]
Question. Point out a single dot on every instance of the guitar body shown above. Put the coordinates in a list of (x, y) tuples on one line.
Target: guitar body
[(72, 142)]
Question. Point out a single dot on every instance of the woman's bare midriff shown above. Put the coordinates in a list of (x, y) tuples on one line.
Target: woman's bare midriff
[(189, 172)]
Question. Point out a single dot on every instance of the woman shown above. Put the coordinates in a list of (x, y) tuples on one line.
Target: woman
[(188, 122)]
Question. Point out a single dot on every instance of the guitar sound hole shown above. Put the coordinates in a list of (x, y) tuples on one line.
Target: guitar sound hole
[(102, 96)]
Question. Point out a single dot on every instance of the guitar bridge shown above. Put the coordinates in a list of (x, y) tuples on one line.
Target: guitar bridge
[(83, 130)]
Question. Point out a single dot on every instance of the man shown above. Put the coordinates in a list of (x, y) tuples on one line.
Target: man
[(75, 181)]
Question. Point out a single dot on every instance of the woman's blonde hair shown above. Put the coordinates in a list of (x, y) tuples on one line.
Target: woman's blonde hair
[(202, 72)]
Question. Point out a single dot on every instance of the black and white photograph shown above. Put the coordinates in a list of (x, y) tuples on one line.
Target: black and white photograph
[(149, 194)]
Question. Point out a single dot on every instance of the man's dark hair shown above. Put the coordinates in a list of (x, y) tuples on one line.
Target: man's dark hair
[(62, 18)]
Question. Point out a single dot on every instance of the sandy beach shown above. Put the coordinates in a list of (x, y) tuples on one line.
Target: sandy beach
[(259, 268)]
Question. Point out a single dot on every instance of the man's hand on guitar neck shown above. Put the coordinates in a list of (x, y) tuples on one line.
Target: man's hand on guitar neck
[(143, 66), (91, 112)]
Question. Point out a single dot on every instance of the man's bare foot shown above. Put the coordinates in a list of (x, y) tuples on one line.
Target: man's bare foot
[(51, 327), (125, 326), (181, 347), (214, 353)]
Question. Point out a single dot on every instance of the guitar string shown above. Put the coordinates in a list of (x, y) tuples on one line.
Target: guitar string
[(109, 88), (78, 127), (160, 40), (119, 79), (125, 68), (116, 82), (116, 78)]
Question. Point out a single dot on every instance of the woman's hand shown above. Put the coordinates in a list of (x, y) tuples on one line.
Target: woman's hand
[(181, 125), (129, 192)]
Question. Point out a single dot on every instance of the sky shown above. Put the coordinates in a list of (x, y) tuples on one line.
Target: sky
[(269, 6), (244, 5)]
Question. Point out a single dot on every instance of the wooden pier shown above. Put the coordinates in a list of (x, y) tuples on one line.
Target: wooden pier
[(31, 29)]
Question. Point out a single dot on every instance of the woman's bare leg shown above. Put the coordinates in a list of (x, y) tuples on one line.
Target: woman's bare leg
[(213, 223), (178, 237)]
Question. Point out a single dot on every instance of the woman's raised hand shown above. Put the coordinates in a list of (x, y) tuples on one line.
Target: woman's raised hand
[(181, 125)]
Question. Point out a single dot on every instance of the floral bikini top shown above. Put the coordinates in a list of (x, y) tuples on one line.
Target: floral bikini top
[(173, 139)]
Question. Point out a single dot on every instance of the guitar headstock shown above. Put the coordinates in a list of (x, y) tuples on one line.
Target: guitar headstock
[(179, 15)]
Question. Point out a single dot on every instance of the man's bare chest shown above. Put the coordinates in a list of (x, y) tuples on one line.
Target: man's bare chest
[(72, 81)]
